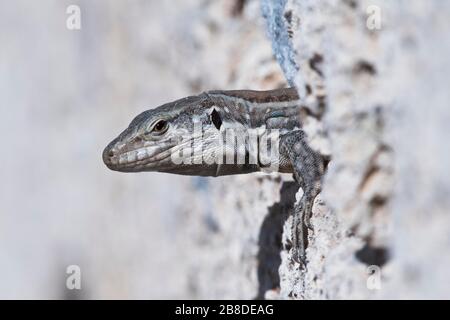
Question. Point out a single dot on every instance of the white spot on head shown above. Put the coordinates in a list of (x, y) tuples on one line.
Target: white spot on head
[(132, 156), (210, 110), (151, 150), (195, 118), (123, 158), (141, 154)]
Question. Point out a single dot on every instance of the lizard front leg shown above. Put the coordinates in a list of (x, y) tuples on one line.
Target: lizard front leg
[(308, 166)]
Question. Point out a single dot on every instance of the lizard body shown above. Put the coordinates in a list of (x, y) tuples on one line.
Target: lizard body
[(266, 126)]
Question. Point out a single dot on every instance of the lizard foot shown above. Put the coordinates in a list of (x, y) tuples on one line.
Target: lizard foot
[(308, 167)]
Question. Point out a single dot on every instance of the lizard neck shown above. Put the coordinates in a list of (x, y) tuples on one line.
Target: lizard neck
[(254, 106), (250, 110)]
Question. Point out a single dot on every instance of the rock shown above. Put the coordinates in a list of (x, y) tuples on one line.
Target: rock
[(385, 145)]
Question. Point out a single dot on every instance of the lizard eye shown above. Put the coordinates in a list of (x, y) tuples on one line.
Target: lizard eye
[(160, 127)]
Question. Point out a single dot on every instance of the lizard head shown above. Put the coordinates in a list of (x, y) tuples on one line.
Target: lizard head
[(155, 136)]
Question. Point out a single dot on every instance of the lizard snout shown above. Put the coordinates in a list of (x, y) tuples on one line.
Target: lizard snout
[(109, 155)]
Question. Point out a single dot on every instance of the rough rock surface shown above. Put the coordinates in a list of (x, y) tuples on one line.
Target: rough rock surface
[(380, 104), (384, 107)]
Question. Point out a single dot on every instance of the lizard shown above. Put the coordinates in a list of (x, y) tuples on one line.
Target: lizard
[(155, 135)]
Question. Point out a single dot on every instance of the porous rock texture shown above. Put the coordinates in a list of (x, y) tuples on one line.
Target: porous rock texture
[(378, 103), (381, 224), (385, 101)]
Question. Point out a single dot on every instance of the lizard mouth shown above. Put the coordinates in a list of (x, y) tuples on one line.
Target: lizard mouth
[(155, 157), (145, 158)]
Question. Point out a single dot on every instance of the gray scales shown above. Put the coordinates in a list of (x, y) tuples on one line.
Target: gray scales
[(155, 135)]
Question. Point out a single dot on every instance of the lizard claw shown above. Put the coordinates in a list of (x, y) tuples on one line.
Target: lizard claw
[(308, 169), (299, 235)]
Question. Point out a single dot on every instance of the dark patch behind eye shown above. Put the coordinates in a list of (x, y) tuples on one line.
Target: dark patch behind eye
[(216, 119)]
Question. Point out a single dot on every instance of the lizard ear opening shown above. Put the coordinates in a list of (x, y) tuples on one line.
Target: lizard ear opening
[(216, 119)]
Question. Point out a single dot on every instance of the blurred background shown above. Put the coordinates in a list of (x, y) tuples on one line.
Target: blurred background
[(64, 94), (374, 74)]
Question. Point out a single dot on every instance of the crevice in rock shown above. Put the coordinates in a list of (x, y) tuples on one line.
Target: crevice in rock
[(372, 167), (364, 67), (315, 62), (351, 3), (371, 255), (238, 8)]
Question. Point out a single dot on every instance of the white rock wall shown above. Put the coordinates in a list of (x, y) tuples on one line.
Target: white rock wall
[(386, 101), (381, 97)]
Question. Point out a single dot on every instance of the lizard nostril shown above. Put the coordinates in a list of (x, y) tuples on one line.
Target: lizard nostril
[(108, 155)]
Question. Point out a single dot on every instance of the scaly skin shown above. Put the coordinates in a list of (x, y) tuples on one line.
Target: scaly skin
[(194, 126)]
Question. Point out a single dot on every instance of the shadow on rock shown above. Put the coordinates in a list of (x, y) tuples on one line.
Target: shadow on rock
[(270, 237)]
